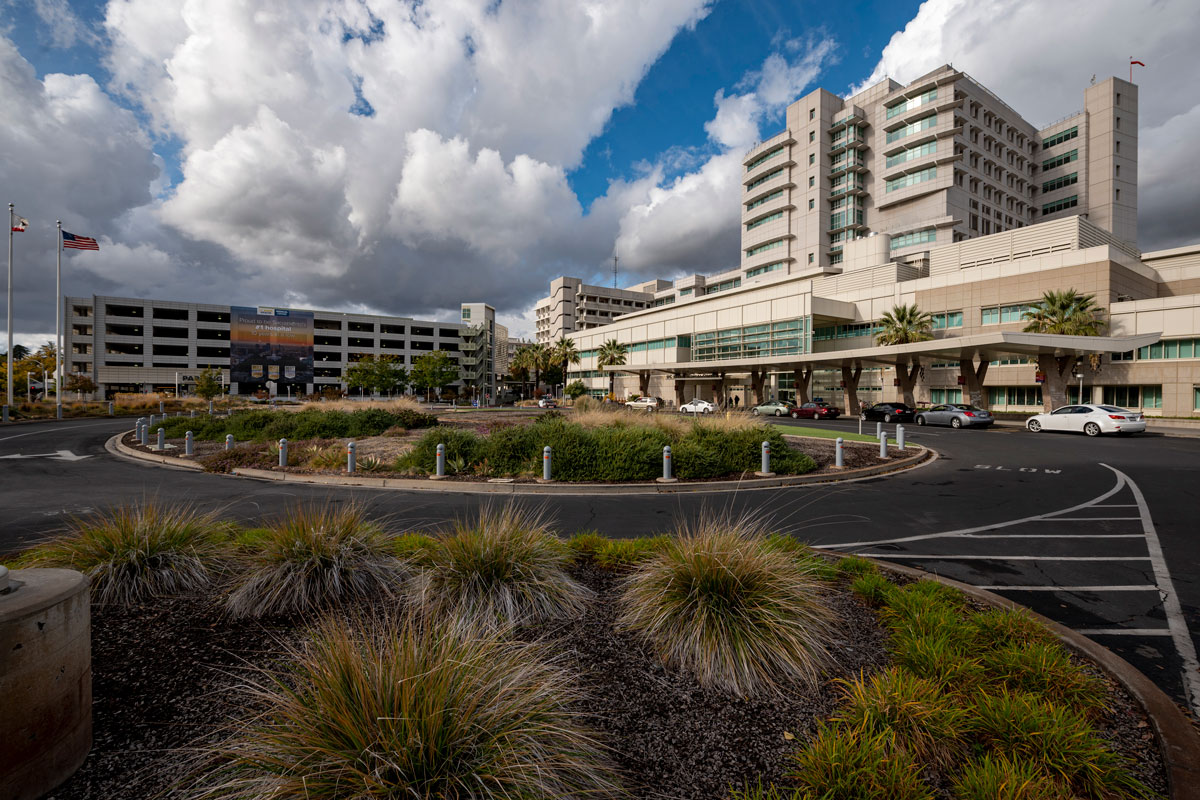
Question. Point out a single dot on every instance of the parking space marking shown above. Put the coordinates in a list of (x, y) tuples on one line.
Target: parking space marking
[(1124, 587), (1088, 519), (974, 557), (1048, 536), (1124, 631)]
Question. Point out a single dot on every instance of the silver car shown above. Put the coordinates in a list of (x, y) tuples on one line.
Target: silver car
[(956, 415)]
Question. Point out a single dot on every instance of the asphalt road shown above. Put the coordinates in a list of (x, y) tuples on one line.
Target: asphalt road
[(1098, 534)]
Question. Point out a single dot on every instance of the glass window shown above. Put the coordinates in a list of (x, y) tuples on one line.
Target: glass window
[(913, 152), (910, 180), (775, 173), (1196, 398), (811, 204), (771, 218), (1060, 137), (812, 158), (1059, 160), (764, 157), (916, 237), (913, 127), (1060, 205), (991, 316)]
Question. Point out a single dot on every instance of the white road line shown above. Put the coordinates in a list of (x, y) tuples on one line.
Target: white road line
[(56, 430), (1170, 598), (1119, 588), (978, 529), (1124, 631), (1087, 536), (1088, 519), (1115, 505), (951, 557)]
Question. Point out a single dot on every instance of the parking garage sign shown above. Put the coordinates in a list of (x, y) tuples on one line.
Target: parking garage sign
[(270, 345)]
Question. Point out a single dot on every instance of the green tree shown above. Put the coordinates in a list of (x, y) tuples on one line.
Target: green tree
[(565, 354), (208, 383), (519, 366), (540, 357), (79, 383), (611, 354), (1064, 312), (575, 390), (380, 375), (433, 371), (905, 324)]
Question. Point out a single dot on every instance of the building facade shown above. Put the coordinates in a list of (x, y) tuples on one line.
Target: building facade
[(484, 352), (136, 345), (573, 305)]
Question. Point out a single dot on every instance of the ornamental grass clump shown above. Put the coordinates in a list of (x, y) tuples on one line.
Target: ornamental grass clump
[(995, 777), (844, 765), (314, 557), (720, 603), (412, 709), (137, 552), (505, 569)]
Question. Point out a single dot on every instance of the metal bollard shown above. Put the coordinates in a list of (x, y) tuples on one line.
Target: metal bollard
[(161, 406), (189, 448), (229, 441), (192, 413), (878, 429), (766, 457), (351, 448), (110, 409), (883, 445), (58, 411), (839, 454), (210, 407), (441, 460), (900, 436), (4, 414), (144, 433), (162, 440), (667, 463), (546, 463), (283, 452)]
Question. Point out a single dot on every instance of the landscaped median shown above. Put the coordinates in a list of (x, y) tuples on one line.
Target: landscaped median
[(329, 655), (594, 450)]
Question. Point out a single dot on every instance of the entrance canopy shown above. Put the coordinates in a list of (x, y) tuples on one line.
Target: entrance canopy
[(988, 346)]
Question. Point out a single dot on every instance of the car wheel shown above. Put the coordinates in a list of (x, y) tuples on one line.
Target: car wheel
[(955, 422), (1033, 425), (778, 413), (887, 417), (1091, 429), (921, 421), (754, 411), (795, 415)]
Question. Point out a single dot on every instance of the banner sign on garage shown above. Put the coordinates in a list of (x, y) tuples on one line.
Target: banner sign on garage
[(270, 344)]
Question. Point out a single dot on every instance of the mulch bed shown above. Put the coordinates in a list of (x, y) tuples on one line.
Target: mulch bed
[(166, 678)]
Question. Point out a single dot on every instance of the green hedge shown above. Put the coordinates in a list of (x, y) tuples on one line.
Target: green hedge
[(606, 454), (262, 425)]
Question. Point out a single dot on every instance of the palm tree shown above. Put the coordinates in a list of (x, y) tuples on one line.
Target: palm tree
[(1068, 313), (520, 364), (565, 353), (905, 324), (611, 354), (540, 357)]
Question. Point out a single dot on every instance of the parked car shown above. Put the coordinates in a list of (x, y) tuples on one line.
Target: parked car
[(888, 412), (816, 411), (646, 403), (1090, 419), (547, 402), (775, 408), (698, 406), (956, 415)]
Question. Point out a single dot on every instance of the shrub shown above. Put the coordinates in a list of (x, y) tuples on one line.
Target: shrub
[(940, 657), (1003, 627), (844, 765), (856, 565), (587, 543), (252, 456), (506, 569), (911, 711), (459, 444), (412, 709), (626, 552), (138, 552), (994, 777), (1045, 670), (1055, 739), (717, 602), (262, 425), (313, 557), (872, 587)]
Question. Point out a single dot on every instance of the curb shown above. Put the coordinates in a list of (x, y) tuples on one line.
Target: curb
[(923, 457), (1174, 733)]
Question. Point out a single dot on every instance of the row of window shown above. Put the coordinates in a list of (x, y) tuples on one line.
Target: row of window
[(915, 237), (1060, 182), (750, 273), (775, 173), (1059, 160), (1060, 137), (996, 315), (1170, 348), (946, 396), (723, 285), (1059, 205), (766, 198), (950, 319), (764, 157), (917, 126), (762, 248), (1134, 396), (929, 148), (770, 218), (753, 341), (664, 301), (911, 103), (1014, 396), (844, 219), (905, 181), (851, 331)]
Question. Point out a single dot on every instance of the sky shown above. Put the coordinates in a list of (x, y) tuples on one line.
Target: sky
[(404, 156)]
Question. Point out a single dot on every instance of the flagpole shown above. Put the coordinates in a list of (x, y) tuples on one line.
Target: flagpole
[(10, 309), (58, 331)]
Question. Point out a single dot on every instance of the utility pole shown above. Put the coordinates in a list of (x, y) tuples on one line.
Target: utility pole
[(614, 272)]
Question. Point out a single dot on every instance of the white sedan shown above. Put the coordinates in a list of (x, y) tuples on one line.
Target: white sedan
[(698, 406), (1090, 419)]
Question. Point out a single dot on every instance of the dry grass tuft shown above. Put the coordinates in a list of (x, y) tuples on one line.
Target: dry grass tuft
[(412, 709), (314, 557), (138, 552), (719, 602), (393, 405), (505, 569)]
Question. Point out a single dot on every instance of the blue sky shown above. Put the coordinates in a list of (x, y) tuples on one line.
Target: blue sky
[(401, 157)]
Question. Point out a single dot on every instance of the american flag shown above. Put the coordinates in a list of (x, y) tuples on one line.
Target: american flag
[(73, 242)]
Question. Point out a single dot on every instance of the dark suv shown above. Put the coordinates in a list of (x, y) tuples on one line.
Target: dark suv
[(888, 412)]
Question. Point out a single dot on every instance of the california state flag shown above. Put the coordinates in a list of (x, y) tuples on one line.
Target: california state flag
[(20, 225)]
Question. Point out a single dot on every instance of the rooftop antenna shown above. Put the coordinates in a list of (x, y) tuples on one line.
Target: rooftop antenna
[(614, 272)]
